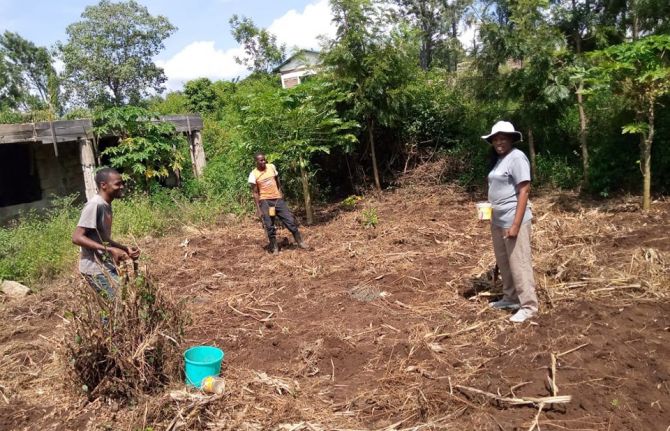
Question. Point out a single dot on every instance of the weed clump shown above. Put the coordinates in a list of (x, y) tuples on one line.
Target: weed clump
[(129, 345)]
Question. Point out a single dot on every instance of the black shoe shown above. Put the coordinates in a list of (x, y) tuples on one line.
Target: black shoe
[(273, 247), (299, 241)]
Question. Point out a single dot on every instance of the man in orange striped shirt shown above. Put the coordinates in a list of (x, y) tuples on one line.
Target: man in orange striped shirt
[(266, 188)]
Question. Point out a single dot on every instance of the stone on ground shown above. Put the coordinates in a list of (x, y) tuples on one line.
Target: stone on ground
[(14, 289)]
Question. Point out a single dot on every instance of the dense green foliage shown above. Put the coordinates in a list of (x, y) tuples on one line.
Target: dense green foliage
[(29, 74), (148, 149)]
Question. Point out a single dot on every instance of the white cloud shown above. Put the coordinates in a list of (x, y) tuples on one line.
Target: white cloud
[(302, 30), (201, 59)]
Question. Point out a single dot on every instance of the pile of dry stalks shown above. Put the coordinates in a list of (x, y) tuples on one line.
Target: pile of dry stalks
[(130, 345)]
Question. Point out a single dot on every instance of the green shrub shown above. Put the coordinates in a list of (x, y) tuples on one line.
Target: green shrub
[(370, 218), (350, 202), (39, 246), (557, 172)]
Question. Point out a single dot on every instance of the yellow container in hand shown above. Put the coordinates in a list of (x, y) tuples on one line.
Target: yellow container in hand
[(484, 210)]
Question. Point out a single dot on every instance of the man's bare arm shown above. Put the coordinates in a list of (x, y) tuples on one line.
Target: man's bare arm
[(118, 251), (257, 198)]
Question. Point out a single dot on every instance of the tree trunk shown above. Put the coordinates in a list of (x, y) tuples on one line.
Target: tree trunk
[(371, 137), (646, 160), (583, 124), (636, 21), (426, 54), (454, 37), (305, 192), (88, 165), (351, 176), (531, 151), (575, 32)]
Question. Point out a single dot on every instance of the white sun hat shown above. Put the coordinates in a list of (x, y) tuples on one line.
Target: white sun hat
[(503, 127)]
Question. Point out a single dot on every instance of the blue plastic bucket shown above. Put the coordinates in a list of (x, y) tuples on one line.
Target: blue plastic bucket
[(201, 362)]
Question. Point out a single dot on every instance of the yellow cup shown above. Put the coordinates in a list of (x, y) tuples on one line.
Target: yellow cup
[(484, 210), (271, 211), (213, 385)]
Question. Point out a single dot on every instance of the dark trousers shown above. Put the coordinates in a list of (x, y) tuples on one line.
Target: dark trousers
[(281, 211)]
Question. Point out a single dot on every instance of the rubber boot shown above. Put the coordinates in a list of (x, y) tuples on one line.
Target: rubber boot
[(273, 247), (299, 241)]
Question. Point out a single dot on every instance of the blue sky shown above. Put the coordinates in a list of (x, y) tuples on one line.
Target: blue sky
[(202, 45)]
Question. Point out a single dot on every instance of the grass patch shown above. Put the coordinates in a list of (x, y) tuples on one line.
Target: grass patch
[(38, 246)]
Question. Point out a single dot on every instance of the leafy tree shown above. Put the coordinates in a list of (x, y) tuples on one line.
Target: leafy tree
[(578, 79), (437, 22), (148, 149), (296, 124), (109, 54), (260, 46), (10, 85), (640, 72), (597, 24), (372, 64), (33, 71), (518, 62), (201, 96), (173, 103)]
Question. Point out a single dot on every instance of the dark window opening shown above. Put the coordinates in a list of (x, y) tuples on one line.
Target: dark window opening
[(103, 144), (19, 178)]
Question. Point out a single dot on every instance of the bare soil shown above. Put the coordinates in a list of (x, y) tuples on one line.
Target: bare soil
[(386, 327)]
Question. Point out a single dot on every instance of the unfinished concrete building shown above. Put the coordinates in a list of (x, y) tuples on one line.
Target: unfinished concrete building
[(41, 160)]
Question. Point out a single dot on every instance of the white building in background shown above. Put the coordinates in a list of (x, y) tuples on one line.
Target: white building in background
[(301, 64)]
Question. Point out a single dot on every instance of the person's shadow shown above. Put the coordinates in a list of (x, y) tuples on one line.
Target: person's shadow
[(486, 284)]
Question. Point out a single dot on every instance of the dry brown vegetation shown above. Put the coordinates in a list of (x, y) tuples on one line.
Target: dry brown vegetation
[(123, 347), (388, 328)]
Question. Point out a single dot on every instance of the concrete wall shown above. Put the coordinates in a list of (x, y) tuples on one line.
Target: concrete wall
[(59, 176)]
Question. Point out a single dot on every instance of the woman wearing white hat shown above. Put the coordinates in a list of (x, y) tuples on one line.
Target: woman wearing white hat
[(509, 188)]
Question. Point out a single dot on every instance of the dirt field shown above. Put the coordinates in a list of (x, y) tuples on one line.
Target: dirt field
[(388, 327)]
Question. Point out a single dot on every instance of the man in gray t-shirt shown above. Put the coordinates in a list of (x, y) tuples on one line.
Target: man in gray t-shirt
[(99, 253)]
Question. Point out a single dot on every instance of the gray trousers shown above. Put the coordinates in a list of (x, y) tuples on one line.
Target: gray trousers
[(513, 256)]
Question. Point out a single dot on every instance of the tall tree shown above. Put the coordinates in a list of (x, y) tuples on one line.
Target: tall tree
[(640, 72), (10, 84), (109, 54), (426, 16), (518, 62), (200, 95), (260, 46), (372, 62), (579, 23), (34, 71), (437, 22), (293, 125)]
